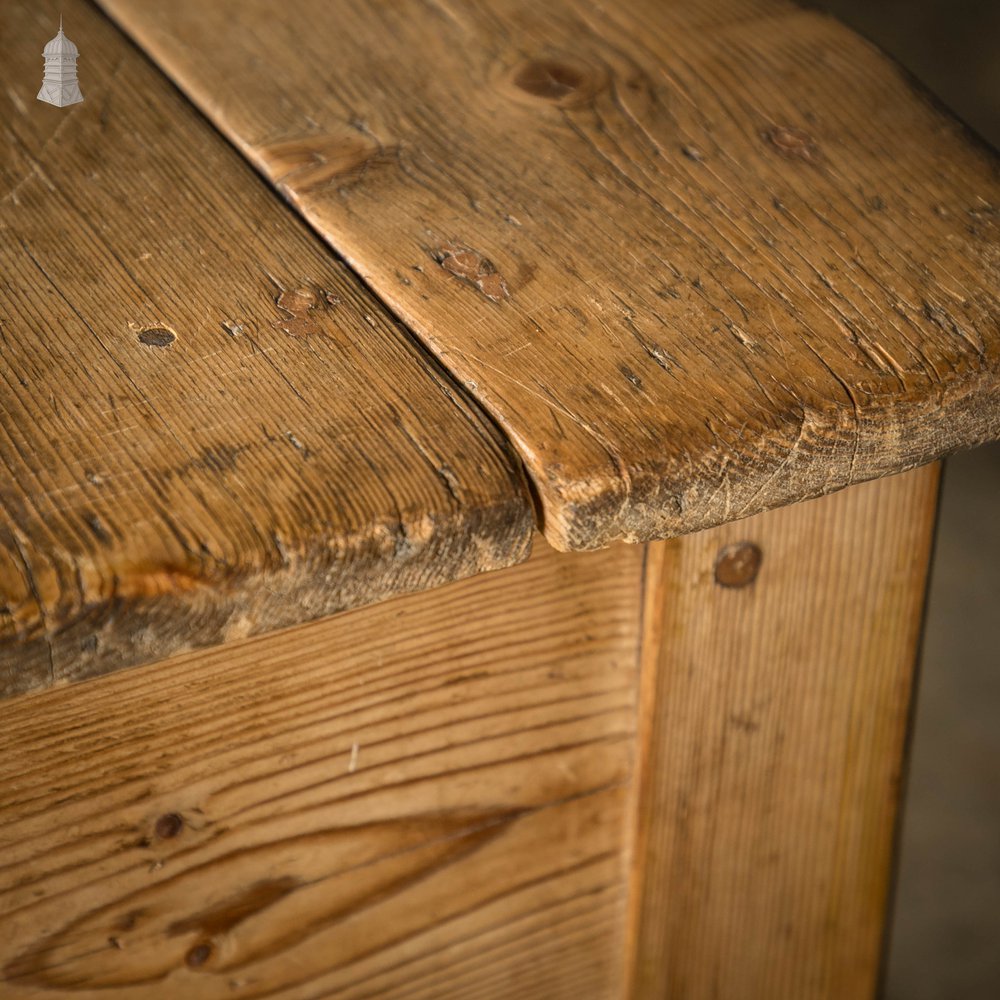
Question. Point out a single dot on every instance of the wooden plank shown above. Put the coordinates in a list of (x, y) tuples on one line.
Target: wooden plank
[(699, 258), (209, 427), (414, 801), (774, 713)]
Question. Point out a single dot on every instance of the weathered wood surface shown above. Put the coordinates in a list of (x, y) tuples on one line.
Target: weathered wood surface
[(209, 427), (700, 258), (774, 718), (420, 800)]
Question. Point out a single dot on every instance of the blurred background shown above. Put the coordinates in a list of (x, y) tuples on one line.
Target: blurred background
[(945, 931)]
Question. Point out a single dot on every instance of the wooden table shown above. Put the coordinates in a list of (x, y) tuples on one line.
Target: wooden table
[(517, 541)]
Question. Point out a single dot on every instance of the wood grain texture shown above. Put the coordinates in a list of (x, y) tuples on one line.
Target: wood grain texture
[(421, 800), (774, 721), (209, 427), (700, 258)]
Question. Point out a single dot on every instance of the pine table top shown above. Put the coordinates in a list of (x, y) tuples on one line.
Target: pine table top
[(698, 258), (621, 270), (210, 427)]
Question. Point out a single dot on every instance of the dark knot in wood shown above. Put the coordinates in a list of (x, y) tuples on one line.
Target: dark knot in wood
[(198, 955), (548, 79), (561, 80)]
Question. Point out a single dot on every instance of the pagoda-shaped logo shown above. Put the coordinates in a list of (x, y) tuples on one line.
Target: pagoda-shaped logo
[(59, 87)]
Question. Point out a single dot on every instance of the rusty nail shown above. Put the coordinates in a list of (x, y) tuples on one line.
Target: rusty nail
[(157, 336), (169, 825), (738, 565)]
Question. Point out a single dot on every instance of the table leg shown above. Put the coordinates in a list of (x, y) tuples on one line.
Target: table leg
[(778, 668)]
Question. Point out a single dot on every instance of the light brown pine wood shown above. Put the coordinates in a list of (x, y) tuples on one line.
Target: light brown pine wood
[(424, 799), (209, 428), (774, 721), (700, 258)]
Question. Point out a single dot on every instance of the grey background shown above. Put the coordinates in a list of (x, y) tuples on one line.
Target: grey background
[(944, 939)]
